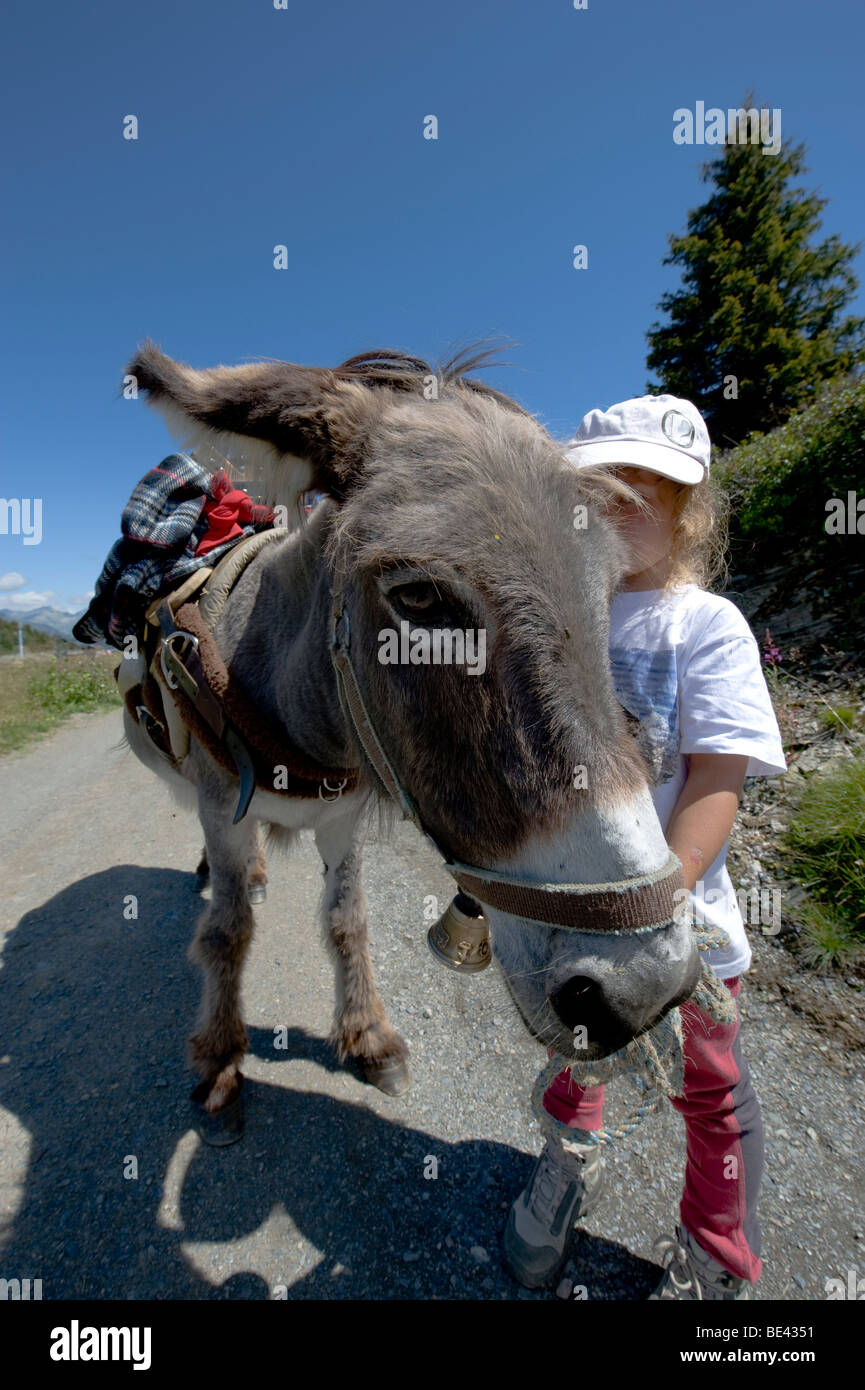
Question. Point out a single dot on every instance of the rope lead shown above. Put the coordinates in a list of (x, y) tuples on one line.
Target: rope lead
[(654, 1062)]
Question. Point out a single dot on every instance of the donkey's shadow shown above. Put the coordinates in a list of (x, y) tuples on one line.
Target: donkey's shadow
[(93, 1007)]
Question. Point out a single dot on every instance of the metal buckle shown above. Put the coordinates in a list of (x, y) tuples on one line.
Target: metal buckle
[(341, 631), (165, 645), (338, 788)]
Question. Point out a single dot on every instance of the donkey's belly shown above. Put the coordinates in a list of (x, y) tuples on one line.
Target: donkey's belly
[(304, 813)]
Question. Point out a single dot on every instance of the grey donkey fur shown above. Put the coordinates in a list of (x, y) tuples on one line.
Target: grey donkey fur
[(453, 511)]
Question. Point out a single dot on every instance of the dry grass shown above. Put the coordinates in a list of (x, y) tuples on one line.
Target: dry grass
[(40, 691)]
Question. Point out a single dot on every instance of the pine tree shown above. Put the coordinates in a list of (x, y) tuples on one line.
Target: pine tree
[(757, 326)]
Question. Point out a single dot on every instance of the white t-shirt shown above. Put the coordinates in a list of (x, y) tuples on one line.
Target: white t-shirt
[(688, 667)]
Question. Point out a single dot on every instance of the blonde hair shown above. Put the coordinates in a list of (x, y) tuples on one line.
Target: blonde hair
[(698, 552)]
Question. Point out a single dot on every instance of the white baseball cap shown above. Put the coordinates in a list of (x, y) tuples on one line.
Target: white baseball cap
[(662, 433)]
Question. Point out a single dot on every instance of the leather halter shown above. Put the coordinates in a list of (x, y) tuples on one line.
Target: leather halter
[(640, 904)]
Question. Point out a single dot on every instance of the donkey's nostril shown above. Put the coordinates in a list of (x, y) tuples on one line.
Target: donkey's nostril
[(576, 1001)]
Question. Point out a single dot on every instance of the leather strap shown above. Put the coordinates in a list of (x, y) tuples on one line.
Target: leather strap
[(183, 668), (351, 698), (241, 739), (182, 594), (182, 658), (633, 905)]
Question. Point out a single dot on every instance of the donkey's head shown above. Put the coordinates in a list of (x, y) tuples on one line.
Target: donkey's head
[(475, 576)]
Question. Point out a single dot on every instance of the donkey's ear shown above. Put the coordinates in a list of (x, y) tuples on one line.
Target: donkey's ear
[(298, 427)]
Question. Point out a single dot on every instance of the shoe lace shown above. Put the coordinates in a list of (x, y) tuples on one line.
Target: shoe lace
[(547, 1186), (677, 1260)]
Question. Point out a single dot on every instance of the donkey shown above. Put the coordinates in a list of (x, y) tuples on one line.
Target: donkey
[(449, 507)]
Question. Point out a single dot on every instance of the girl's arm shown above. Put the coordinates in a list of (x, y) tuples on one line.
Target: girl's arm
[(704, 814)]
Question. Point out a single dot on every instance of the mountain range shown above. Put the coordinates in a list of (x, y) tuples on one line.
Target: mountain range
[(45, 619)]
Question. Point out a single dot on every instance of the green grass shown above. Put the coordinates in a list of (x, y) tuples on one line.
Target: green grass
[(828, 939), (38, 693), (826, 853), (842, 718), (67, 688)]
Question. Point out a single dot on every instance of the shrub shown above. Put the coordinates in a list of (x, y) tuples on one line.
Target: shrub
[(779, 483), (65, 688)]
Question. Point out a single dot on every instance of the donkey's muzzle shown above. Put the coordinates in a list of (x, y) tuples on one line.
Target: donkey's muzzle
[(460, 939)]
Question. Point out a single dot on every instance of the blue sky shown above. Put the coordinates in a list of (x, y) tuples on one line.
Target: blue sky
[(304, 126)]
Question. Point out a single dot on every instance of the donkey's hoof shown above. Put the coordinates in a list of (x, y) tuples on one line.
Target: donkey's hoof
[(257, 893), (391, 1076), (222, 1127)]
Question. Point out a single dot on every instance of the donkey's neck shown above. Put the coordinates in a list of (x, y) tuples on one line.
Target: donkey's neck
[(274, 635)]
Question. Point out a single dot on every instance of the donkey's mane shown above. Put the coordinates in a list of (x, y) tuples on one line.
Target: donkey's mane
[(403, 372)]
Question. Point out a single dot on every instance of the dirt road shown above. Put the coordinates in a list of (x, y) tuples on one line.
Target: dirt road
[(105, 1191)]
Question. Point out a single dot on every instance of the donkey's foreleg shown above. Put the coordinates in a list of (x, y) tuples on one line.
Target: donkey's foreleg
[(219, 947), (256, 872), (361, 1028)]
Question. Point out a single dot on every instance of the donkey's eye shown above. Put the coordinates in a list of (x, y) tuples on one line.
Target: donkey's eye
[(423, 602)]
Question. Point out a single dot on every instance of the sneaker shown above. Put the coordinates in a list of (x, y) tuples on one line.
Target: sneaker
[(565, 1185), (690, 1272)]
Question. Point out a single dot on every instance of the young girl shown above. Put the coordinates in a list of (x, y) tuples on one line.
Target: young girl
[(686, 664)]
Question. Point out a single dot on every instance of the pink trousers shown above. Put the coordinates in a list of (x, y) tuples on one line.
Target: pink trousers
[(724, 1132)]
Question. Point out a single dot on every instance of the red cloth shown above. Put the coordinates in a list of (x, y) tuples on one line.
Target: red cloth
[(228, 510)]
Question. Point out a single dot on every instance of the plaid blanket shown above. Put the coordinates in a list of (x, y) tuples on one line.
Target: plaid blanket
[(178, 518)]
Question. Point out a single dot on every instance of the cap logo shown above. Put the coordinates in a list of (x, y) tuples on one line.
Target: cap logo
[(678, 429)]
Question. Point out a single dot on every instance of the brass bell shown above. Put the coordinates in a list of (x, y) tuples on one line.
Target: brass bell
[(460, 939)]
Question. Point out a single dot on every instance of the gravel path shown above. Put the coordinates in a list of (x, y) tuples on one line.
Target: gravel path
[(327, 1193)]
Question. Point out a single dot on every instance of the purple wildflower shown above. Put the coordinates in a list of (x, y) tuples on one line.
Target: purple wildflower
[(771, 654)]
